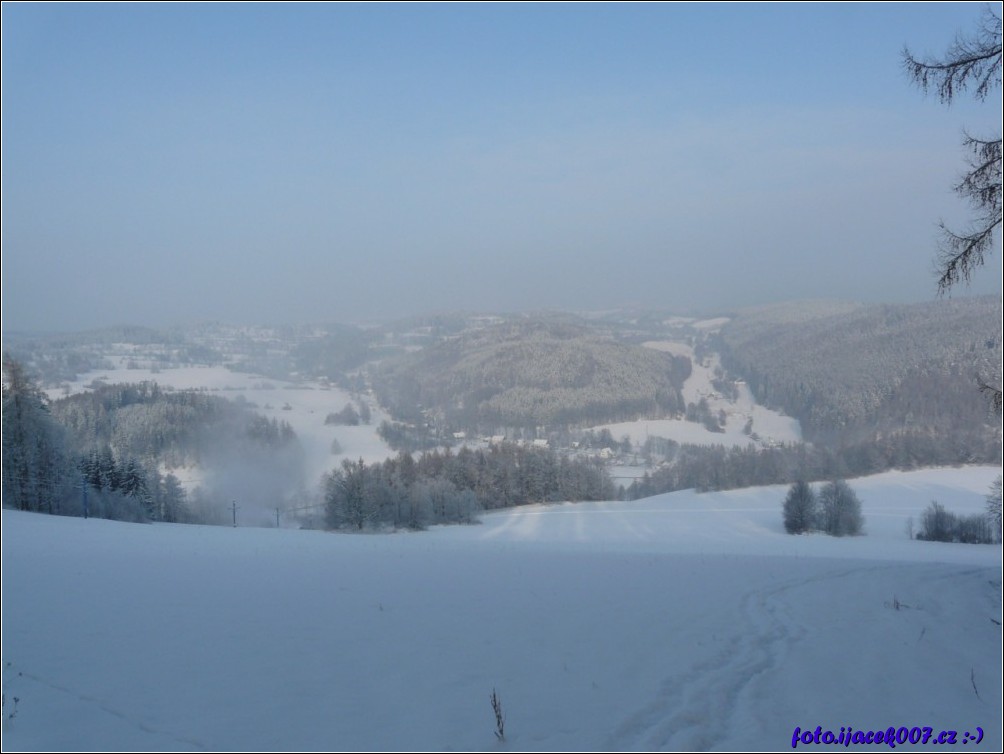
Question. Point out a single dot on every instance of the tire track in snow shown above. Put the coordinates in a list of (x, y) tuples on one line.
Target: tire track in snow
[(694, 710)]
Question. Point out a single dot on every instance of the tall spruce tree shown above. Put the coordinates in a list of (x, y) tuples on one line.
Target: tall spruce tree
[(36, 471)]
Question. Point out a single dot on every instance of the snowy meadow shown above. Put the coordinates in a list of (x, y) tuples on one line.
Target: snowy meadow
[(679, 622)]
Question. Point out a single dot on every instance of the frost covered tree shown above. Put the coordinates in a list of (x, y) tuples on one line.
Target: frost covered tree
[(345, 498), (170, 499), (800, 508), (36, 469), (840, 509)]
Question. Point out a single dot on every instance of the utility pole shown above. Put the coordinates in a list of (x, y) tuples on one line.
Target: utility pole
[(233, 508), (83, 491), (276, 518)]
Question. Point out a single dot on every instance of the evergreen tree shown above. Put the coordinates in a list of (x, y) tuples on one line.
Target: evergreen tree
[(36, 469), (800, 508)]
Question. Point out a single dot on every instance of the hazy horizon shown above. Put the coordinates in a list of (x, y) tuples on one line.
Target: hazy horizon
[(345, 163)]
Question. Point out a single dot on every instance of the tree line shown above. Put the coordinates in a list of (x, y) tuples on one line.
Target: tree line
[(717, 467), (445, 487)]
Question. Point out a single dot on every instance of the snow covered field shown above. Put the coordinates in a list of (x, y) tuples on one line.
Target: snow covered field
[(678, 622)]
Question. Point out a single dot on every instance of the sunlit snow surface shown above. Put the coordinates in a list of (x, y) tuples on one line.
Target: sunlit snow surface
[(679, 622)]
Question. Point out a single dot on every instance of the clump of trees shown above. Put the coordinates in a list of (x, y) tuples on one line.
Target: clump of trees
[(939, 525), (350, 415), (126, 489), (836, 510), (406, 438), (445, 487)]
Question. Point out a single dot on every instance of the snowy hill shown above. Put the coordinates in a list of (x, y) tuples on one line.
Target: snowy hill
[(680, 622)]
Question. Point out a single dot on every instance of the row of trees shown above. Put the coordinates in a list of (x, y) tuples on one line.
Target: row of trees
[(836, 510), (443, 487), (350, 415), (717, 467), (939, 525)]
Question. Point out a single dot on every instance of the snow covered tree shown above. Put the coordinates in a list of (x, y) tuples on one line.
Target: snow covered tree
[(169, 501), (345, 498), (840, 513), (36, 469), (800, 508)]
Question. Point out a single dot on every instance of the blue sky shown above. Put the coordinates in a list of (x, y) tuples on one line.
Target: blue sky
[(290, 163)]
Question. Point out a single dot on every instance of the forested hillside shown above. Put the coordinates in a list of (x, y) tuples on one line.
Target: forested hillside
[(111, 452), (530, 373), (852, 373)]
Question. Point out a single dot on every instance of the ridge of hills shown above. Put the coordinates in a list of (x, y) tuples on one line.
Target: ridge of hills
[(532, 372)]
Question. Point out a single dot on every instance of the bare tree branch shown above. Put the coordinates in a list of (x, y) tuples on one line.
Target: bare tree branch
[(971, 63), (993, 393), (959, 255)]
